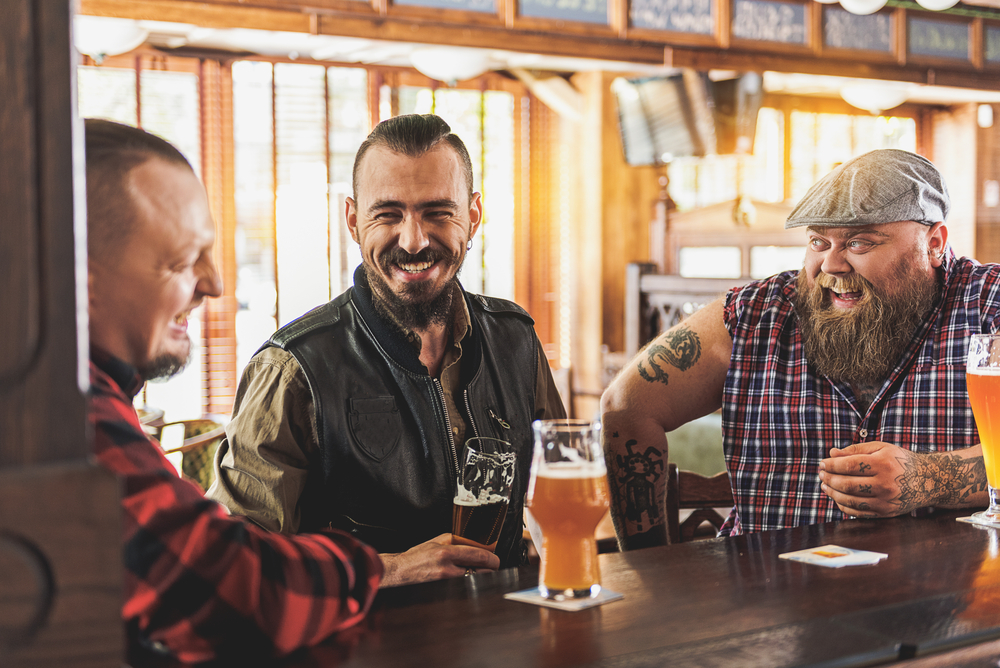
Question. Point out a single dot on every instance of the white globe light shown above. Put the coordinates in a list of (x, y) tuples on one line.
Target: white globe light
[(99, 36), (937, 5), (862, 7), (450, 63)]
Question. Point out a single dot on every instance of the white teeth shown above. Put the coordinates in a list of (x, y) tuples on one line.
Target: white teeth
[(414, 268)]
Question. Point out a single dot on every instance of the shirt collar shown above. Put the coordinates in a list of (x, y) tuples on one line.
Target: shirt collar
[(124, 374)]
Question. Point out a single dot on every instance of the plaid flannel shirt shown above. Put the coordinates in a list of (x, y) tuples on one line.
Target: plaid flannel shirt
[(202, 584), (780, 417)]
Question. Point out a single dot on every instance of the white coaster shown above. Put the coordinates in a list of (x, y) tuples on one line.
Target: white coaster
[(572, 605), (834, 556), (978, 522)]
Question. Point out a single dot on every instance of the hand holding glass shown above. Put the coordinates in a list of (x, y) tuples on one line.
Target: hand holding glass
[(983, 380), (568, 496), (485, 479)]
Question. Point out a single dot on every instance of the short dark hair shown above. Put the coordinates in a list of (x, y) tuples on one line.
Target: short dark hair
[(113, 150), (413, 135)]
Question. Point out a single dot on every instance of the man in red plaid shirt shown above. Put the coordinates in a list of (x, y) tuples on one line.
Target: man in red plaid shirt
[(198, 583), (842, 386)]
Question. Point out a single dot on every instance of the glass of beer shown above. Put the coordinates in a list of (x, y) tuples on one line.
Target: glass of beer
[(485, 480), (568, 496), (983, 380)]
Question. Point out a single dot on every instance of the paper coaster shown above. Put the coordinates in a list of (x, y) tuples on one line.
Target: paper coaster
[(834, 556), (978, 522), (535, 598)]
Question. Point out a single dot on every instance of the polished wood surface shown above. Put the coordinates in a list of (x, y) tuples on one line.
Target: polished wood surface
[(712, 603), (60, 533)]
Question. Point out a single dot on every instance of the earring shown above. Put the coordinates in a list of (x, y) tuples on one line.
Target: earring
[(468, 246)]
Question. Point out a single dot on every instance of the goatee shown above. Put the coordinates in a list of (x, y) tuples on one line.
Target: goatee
[(861, 345), (419, 305), (164, 366)]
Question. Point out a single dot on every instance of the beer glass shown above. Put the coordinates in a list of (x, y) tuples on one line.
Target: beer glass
[(568, 496), (485, 479), (983, 380)]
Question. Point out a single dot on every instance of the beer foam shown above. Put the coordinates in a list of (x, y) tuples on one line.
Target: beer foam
[(983, 371), (568, 470), (464, 497)]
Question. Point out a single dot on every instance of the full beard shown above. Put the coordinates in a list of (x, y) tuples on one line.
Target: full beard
[(861, 345), (418, 305)]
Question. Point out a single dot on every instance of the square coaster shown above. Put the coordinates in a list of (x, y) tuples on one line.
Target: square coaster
[(834, 556), (978, 522), (572, 605)]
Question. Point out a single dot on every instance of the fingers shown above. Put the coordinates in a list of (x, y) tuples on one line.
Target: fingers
[(854, 506)]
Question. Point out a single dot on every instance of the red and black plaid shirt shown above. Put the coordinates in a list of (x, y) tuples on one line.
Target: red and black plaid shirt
[(780, 417), (205, 585)]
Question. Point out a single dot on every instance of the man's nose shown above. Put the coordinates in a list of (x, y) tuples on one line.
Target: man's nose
[(210, 281), (412, 237), (835, 263)]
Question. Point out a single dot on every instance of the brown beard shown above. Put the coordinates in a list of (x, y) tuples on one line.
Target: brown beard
[(418, 306), (862, 345)]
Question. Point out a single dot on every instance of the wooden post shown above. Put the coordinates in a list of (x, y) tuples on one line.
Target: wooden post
[(60, 535)]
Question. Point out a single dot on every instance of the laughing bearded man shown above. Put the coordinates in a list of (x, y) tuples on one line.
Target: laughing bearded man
[(842, 386), (353, 416)]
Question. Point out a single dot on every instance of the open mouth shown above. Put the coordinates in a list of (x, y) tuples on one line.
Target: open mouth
[(415, 267), (181, 319)]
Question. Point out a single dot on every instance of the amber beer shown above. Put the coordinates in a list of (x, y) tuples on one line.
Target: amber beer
[(984, 395), (568, 500), (477, 524)]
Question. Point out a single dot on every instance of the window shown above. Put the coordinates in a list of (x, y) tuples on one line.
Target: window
[(168, 105)]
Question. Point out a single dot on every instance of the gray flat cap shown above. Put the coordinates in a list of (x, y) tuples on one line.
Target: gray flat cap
[(882, 186)]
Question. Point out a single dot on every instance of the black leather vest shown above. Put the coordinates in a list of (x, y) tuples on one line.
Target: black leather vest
[(388, 469)]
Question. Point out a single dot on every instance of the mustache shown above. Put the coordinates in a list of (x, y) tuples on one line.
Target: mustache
[(399, 256), (851, 283)]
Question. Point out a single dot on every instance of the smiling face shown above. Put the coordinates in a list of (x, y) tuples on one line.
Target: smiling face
[(140, 299), (885, 256), (413, 219), (862, 293)]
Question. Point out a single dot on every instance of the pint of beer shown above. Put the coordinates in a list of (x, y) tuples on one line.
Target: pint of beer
[(567, 496), (485, 480), (983, 382)]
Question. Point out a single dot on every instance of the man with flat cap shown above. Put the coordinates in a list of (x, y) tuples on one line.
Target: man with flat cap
[(842, 385)]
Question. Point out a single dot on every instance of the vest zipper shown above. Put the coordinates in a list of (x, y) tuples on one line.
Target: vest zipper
[(468, 409), (447, 423)]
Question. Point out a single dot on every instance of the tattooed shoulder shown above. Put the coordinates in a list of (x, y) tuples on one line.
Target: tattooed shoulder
[(680, 348)]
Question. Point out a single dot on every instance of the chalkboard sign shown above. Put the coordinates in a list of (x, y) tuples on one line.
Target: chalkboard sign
[(690, 16), (586, 11), (941, 39), (767, 21), (992, 39), (844, 30), (487, 6)]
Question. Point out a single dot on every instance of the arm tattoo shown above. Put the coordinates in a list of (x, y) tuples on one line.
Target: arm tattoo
[(944, 479), (681, 349), (635, 477)]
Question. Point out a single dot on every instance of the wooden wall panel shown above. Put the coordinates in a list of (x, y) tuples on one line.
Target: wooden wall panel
[(60, 538)]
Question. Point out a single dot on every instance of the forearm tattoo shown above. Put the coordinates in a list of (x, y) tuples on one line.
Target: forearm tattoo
[(634, 478), (943, 479), (681, 348)]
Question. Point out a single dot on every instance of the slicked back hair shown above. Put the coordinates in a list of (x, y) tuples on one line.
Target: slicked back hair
[(413, 135), (113, 150)]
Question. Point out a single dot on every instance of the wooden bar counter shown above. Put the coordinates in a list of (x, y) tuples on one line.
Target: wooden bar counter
[(720, 602)]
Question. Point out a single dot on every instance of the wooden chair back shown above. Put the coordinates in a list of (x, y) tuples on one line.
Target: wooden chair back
[(201, 440), (702, 494)]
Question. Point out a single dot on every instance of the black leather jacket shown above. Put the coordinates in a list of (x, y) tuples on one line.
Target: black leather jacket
[(388, 456)]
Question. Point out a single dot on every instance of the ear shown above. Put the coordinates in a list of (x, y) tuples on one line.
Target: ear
[(475, 214), (937, 238), (351, 214)]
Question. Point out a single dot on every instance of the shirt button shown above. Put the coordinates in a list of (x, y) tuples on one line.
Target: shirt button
[(863, 433)]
